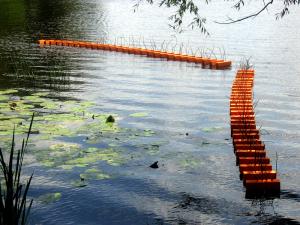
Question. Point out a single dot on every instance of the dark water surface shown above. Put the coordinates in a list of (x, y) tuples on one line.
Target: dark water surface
[(174, 113)]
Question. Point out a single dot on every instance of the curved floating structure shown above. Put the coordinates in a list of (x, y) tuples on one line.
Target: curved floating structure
[(205, 62), (255, 169)]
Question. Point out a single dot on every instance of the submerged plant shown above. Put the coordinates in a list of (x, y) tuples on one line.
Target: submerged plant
[(14, 208)]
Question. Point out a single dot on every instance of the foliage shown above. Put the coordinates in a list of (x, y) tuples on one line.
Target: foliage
[(184, 7), (13, 202)]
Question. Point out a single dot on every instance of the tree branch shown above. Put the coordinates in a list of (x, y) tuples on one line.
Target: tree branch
[(247, 17)]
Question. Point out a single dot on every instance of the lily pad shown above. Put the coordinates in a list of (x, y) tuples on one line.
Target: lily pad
[(3, 98), (50, 198), (9, 91), (65, 147), (189, 163), (110, 156), (94, 174), (79, 183), (139, 114), (212, 129), (41, 94)]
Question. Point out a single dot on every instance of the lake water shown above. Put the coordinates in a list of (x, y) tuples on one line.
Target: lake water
[(175, 113)]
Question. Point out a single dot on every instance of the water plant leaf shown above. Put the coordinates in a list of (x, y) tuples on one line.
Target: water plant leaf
[(41, 94), (110, 156), (212, 129), (79, 183), (50, 198), (8, 91), (189, 163), (139, 114), (94, 174), (34, 99), (65, 147), (3, 98), (148, 133)]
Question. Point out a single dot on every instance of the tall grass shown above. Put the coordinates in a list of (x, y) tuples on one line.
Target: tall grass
[(14, 207)]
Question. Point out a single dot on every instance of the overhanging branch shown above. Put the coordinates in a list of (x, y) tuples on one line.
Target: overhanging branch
[(249, 16)]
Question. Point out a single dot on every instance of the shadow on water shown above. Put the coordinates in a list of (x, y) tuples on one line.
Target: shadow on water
[(267, 215), (53, 19), (290, 194), (126, 200), (22, 23), (44, 73)]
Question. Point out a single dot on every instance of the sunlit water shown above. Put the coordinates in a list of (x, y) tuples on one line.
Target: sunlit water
[(185, 106)]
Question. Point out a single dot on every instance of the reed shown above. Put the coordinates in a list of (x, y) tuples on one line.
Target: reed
[(14, 207)]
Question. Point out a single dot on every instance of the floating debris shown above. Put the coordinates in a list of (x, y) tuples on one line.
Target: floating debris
[(154, 165)]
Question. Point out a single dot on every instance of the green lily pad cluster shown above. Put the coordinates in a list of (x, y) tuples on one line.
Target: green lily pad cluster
[(53, 118), (70, 155), (58, 125)]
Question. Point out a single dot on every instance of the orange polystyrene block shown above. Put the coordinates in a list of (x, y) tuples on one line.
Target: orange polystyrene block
[(198, 59), (249, 147), (241, 90), (247, 142), (238, 106), (241, 95), (223, 65), (242, 71), (255, 167), (213, 63), (242, 121), (250, 153), (258, 175), (264, 187), (253, 160), (170, 56), (242, 126), (245, 131), (245, 136), (242, 118), (241, 112), (156, 54), (164, 55), (240, 103)]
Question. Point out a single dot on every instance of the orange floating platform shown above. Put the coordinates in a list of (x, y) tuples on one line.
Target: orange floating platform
[(255, 169), (205, 62)]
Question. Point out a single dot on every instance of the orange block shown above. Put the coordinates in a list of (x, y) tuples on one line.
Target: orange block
[(255, 167), (258, 175), (250, 153), (223, 65), (262, 187), (247, 142), (253, 160), (249, 147)]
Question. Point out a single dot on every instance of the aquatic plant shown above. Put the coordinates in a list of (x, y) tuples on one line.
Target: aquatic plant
[(245, 64), (14, 208)]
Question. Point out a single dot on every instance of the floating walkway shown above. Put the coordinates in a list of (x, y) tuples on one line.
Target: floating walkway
[(255, 169), (205, 62)]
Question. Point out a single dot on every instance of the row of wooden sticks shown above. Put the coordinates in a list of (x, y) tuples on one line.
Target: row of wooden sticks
[(205, 62), (255, 169)]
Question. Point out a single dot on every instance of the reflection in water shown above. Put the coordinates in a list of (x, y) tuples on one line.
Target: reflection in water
[(265, 217), (23, 23)]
